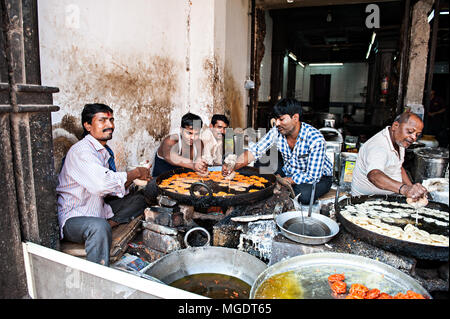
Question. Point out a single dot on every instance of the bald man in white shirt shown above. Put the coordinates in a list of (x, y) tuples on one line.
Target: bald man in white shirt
[(379, 169)]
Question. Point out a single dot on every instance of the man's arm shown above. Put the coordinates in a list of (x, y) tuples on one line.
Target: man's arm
[(382, 181), (405, 178), (241, 161), (137, 173), (255, 151), (167, 152), (437, 112)]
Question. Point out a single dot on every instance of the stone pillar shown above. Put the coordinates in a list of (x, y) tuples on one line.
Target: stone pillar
[(27, 196), (418, 53)]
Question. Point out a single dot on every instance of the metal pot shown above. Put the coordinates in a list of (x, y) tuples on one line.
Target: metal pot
[(291, 217), (429, 162), (333, 145), (314, 269), (429, 141), (322, 117), (207, 259)]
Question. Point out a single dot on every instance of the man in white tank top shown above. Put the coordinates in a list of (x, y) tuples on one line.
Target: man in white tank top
[(182, 149)]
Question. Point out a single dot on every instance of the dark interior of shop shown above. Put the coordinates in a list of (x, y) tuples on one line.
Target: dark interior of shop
[(338, 34)]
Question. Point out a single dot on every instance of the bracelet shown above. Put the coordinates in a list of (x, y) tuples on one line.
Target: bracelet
[(401, 188)]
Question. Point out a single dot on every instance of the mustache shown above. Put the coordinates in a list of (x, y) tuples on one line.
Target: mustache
[(108, 129)]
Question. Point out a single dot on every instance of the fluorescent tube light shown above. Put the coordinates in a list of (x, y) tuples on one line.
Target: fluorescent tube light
[(293, 57), (326, 64), (301, 64), (368, 51), (431, 16), (370, 45)]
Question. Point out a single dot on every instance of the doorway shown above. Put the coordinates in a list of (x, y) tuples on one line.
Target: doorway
[(319, 91)]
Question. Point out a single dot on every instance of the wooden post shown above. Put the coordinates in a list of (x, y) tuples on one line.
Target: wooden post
[(431, 60), (419, 35)]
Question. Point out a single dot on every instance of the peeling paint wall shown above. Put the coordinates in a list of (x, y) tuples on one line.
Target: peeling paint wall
[(151, 61), (237, 60)]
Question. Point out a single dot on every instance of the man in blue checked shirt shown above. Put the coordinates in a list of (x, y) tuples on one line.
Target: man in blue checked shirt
[(302, 148)]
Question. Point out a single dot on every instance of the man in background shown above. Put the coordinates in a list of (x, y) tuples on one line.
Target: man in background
[(212, 138)]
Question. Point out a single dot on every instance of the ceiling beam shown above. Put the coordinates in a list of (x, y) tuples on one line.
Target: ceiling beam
[(283, 4)]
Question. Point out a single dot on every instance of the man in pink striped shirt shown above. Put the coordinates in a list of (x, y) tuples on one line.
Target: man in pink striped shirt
[(92, 196)]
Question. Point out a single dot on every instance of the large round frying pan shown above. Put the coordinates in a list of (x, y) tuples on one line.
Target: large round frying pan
[(402, 247), (223, 201)]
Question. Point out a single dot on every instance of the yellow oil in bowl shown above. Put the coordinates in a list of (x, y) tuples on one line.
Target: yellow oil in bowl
[(285, 285)]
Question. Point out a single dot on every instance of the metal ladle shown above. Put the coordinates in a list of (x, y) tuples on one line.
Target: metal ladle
[(308, 226)]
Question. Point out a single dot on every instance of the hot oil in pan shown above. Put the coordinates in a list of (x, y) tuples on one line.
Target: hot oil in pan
[(311, 282), (307, 226), (215, 286), (285, 285)]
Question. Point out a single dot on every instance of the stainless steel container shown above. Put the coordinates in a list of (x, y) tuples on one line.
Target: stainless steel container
[(429, 162), (323, 118), (312, 271), (333, 144), (207, 259), (295, 216)]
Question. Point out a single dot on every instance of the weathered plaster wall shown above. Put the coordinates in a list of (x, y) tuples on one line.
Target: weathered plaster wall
[(150, 60), (237, 60)]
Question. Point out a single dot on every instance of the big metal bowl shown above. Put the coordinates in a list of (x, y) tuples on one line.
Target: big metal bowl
[(207, 259), (283, 218), (313, 271)]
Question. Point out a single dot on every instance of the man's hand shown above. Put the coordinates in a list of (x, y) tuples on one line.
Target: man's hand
[(229, 165), (142, 173), (227, 170), (415, 191), (201, 167), (289, 180)]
